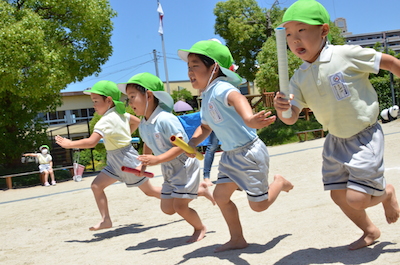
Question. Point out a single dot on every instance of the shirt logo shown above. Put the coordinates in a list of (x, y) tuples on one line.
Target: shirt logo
[(338, 86), (214, 112)]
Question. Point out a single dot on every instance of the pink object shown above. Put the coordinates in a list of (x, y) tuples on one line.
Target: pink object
[(137, 172)]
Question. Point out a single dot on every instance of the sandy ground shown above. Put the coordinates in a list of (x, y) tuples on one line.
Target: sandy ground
[(49, 225)]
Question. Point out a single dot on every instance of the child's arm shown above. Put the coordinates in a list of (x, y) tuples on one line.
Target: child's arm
[(201, 133), (150, 160), (90, 142), (282, 104), (30, 154), (390, 63), (133, 123), (243, 108)]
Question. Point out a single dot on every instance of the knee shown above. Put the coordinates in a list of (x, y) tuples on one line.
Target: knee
[(357, 204), (221, 199), (257, 207), (95, 187), (168, 210)]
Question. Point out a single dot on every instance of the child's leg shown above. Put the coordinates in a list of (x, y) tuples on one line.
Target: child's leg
[(222, 195), (181, 206), (359, 218), (205, 191), (98, 185), (46, 176), (53, 180), (150, 190), (279, 184), (360, 201)]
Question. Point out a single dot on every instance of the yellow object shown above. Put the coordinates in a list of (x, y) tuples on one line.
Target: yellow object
[(185, 147)]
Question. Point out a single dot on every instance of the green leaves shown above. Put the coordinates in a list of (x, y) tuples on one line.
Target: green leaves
[(44, 46)]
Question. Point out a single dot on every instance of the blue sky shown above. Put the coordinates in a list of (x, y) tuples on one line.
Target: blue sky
[(135, 34)]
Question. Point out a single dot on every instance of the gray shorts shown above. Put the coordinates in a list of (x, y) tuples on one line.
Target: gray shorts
[(181, 178), (126, 156), (248, 167), (355, 163)]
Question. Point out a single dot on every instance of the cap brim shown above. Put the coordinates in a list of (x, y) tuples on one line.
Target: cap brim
[(232, 77), (165, 100), (183, 54), (122, 87)]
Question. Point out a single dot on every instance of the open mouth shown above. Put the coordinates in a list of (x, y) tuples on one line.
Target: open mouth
[(300, 50)]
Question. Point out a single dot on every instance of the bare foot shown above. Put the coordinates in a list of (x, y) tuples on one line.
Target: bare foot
[(208, 182), (198, 235), (366, 240), (286, 185), (230, 245), (390, 205), (101, 225), (205, 191)]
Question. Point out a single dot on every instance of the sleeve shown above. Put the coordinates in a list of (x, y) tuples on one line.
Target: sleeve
[(222, 92), (101, 127), (172, 126), (363, 59)]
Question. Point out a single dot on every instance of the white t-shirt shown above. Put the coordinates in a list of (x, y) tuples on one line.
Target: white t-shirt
[(336, 88)]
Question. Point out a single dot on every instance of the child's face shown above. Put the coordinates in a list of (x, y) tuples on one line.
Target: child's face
[(100, 104), (198, 73), (137, 100), (306, 41)]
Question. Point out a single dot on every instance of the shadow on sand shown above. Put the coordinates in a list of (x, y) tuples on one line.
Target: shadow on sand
[(337, 255), (120, 231)]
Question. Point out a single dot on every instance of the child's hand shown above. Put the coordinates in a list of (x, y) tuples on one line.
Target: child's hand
[(261, 120), (148, 160), (63, 142), (281, 103)]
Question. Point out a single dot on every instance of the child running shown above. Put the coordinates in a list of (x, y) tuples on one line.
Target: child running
[(115, 127), (181, 173), (244, 163), (333, 82)]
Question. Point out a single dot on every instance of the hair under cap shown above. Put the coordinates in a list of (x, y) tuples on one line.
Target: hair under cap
[(155, 85), (108, 89), (219, 53)]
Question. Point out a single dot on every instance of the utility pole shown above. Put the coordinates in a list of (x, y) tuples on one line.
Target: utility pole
[(156, 62)]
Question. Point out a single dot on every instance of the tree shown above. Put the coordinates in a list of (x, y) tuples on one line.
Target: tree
[(243, 26), (182, 94), (44, 46)]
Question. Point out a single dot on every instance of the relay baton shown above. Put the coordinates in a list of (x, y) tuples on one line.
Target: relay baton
[(280, 34), (185, 147), (137, 172)]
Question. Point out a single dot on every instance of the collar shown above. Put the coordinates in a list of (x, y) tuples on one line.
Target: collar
[(325, 56), (154, 115), (109, 110), (220, 78)]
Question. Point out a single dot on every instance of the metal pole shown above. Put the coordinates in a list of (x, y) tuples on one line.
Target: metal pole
[(156, 62), (165, 57)]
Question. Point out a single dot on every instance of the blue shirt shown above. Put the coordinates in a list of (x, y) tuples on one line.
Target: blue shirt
[(156, 131), (223, 119)]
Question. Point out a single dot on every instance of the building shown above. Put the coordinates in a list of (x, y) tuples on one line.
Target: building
[(388, 39)]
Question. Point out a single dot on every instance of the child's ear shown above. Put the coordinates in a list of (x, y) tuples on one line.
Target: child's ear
[(325, 30)]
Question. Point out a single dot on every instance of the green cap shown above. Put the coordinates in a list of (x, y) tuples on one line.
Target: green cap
[(108, 89), (155, 85), (44, 146), (307, 11), (216, 51)]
